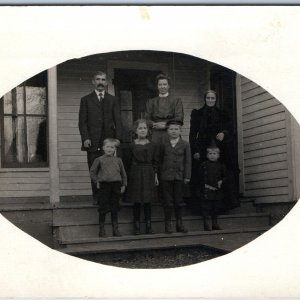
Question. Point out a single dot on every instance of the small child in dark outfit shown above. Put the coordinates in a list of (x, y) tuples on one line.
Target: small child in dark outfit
[(211, 175), (109, 175)]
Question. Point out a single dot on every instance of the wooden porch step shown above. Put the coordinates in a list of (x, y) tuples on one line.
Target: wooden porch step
[(87, 213), (77, 229), (226, 240)]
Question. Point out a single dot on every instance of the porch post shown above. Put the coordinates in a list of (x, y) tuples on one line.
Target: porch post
[(53, 147)]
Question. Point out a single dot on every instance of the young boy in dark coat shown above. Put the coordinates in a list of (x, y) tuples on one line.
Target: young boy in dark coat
[(108, 174), (175, 170), (211, 176)]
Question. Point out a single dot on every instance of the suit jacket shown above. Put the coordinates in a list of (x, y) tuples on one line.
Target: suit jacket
[(99, 120), (176, 162)]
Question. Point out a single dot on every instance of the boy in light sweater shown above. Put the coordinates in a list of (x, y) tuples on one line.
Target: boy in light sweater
[(108, 173)]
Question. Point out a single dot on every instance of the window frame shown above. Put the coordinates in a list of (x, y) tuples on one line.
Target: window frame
[(25, 115)]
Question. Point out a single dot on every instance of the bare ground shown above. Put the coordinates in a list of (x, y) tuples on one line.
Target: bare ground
[(156, 259)]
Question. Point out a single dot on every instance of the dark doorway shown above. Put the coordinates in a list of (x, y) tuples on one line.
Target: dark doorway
[(223, 81), (133, 87)]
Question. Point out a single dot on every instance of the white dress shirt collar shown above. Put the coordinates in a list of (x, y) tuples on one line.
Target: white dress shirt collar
[(100, 93), (163, 95), (174, 142)]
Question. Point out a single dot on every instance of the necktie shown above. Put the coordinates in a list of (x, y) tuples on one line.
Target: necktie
[(100, 97)]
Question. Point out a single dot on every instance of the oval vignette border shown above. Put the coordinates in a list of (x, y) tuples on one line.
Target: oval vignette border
[(268, 87)]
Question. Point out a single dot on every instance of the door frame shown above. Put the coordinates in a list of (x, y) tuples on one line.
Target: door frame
[(133, 65)]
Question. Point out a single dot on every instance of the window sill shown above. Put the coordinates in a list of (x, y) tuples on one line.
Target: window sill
[(6, 170)]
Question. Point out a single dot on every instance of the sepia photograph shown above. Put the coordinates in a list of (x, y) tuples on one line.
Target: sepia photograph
[(146, 159)]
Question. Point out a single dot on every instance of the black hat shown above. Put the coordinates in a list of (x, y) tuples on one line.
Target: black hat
[(174, 122)]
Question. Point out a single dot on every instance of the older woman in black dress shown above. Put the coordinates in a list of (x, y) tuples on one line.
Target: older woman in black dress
[(163, 108), (211, 126)]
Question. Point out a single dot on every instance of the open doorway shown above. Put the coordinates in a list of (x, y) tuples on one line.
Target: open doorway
[(133, 87)]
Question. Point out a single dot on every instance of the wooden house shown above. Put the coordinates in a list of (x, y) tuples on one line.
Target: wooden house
[(44, 175)]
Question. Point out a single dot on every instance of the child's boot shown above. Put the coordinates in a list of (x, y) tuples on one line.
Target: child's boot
[(115, 225), (147, 213), (168, 223), (136, 218), (179, 224), (206, 223), (101, 225), (215, 225)]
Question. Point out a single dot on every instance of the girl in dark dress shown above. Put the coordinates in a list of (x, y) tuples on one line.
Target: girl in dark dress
[(144, 157), (212, 126)]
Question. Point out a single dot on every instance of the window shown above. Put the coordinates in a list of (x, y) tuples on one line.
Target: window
[(24, 133)]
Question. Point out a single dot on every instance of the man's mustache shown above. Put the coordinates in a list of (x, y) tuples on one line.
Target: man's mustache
[(100, 85)]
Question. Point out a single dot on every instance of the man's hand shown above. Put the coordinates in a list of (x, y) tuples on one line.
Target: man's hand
[(122, 189), (220, 184), (87, 143), (220, 136), (98, 185), (186, 180), (197, 156)]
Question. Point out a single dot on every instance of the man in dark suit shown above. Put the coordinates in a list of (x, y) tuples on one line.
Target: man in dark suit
[(99, 118)]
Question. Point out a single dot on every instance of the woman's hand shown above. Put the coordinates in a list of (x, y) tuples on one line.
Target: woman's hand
[(156, 180), (220, 136), (186, 180), (122, 189), (197, 156), (159, 125)]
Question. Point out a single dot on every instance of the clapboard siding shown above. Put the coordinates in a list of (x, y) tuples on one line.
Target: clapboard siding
[(265, 144), (265, 159), (265, 128), (267, 120), (260, 106), (263, 113), (256, 99), (266, 184), (281, 165), (24, 184), (190, 78), (265, 150), (266, 176), (273, 135), (76, 173), (253, 92)]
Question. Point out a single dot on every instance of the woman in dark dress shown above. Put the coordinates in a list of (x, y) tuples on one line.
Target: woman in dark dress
[(143, 162), (211, 126)]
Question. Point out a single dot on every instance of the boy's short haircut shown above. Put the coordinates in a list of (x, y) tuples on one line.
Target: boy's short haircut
[(112, 141), (174, 122), (213, 148)]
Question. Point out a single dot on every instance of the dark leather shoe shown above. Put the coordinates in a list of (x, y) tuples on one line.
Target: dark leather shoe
[(181, 228), (137, 228), (168, 227)]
